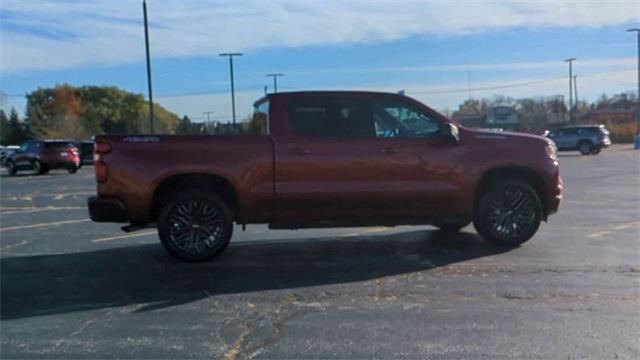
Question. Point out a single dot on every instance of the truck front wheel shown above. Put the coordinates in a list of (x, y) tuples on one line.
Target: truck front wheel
[(508, 212), (195, 225)]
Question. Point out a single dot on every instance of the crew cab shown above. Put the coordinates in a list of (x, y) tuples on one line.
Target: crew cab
[(327, 159)]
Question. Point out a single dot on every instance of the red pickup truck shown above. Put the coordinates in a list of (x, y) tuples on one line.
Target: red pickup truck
[(327, 159)]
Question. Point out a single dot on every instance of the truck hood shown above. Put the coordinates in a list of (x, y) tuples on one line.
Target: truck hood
[(508, 136)]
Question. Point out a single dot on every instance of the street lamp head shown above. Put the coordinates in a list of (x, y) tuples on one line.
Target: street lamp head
[(230, 54), (634, 29), (275, 74), (570, 60)]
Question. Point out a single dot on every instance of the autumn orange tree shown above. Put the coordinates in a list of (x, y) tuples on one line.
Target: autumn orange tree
[(72, 112)]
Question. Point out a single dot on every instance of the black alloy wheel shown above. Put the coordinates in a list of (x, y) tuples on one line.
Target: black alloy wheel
[(195, 226), (509, 212)]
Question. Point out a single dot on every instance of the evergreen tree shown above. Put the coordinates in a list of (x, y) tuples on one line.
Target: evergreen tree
[(4, 128), (17, 132)]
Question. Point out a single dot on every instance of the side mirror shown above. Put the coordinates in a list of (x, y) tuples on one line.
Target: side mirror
[(450, 133)]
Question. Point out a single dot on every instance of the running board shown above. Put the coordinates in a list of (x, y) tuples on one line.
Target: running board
[(132, 228)]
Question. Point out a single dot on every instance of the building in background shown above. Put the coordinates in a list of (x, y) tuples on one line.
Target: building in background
[(498, 117)]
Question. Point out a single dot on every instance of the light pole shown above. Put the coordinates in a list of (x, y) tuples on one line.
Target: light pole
[(146, 44), (570, 61), (233, 96), (637, 142), (275, 81)]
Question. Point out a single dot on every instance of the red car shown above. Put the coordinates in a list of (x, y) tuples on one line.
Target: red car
[(40, 156), (328, 159)]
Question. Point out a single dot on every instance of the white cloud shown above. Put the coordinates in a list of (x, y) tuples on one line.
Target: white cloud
[(588, 63), (60, 34)]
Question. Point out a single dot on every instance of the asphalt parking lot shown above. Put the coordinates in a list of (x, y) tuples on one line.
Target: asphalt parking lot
[(71, 288)]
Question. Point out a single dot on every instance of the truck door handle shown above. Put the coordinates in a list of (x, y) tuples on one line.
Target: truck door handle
[(387, 151), (300, 151)]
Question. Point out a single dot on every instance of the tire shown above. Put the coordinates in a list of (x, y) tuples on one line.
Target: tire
[(180, 225), (38, 168), (596, 150), (496, 219), (585, 148), (72, 170), (11, 167)]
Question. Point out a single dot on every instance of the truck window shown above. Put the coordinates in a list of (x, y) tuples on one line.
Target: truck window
[(400, 120), (337, 118), (354, 118), (259, 123), (312, 118)]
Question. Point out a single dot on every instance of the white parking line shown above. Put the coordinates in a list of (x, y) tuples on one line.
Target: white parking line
[(146, 233), (55, 223), (26, 210)]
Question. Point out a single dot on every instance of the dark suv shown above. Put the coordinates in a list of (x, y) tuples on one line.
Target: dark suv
[(588, 139), (40, 156)]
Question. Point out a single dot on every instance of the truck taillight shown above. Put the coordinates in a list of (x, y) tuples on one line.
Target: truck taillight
[(102, 172)]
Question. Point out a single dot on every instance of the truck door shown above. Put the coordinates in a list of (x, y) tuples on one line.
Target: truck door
[(321, 173), (420, 177), (337, 164)]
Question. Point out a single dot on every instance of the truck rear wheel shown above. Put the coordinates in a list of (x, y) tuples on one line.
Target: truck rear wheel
[(195, 225), (508, 212)]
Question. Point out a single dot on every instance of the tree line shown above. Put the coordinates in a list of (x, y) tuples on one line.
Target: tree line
[(68, 112)]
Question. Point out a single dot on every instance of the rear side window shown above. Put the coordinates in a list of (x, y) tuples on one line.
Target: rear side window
[(332, 118), (354, 118), (312, 119)]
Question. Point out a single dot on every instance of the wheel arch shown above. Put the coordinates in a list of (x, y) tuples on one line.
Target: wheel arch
[(218, 184), (522, 173)]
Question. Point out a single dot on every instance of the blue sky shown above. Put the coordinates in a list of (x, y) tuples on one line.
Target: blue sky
[(439, 52)]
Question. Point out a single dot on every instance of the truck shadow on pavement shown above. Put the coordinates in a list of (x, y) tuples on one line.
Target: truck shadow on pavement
[(146, 275)]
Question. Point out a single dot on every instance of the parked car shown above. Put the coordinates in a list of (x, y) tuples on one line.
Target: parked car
[(40, 156), (588, 139), (86, 151), (5, 152), (327, 159)]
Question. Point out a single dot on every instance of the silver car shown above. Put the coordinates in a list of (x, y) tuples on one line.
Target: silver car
[(588, 139)]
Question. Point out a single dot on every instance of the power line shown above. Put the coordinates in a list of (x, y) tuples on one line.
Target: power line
[(514, 85)]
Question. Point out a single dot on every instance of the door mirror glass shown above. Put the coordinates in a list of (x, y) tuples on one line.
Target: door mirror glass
[(450, 132)]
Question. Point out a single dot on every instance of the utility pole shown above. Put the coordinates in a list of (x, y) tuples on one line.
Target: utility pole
[(575, 90), (275, 81), (233, 96), (146, 43), (208, 113), (208, 125), (570, 61), (468, 84), (637, 142)]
